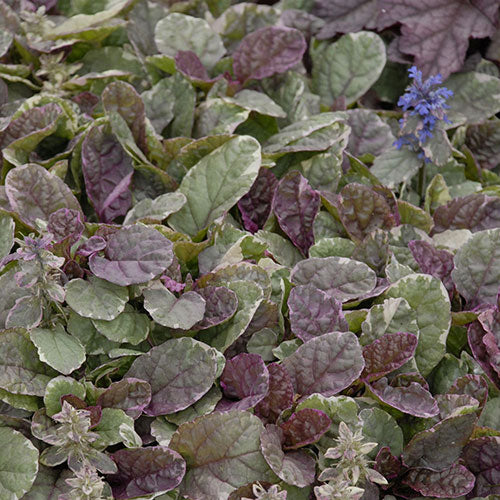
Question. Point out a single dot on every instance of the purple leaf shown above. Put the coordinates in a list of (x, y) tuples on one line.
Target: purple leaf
[(66, 223), (91, 246), (107, 171), (387, 464), (471, 385), (279, 396), (440, 446), (255, 206), (483, 140), (475, 335), (475, 212), (86, 101), (129, 394), (296, 467), (221, 305), (413, 399), (387, 354), (142, 471), (134, 254), (304, 427), (437, 32), (326, 364), (34, 192), (179, 371), (449, 483), (296, 204), (314, 313), (362, 210), (352, 16), (244, 381), (438, 263), (490, 321), (268, 51), (189, 64), (123, 98)]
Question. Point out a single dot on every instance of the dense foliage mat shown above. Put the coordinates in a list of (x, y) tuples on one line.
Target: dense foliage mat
[(249, 251)]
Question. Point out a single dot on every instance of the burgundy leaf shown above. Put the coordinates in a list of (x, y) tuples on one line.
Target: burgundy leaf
[(475, 212), (189, 64), (475, 335), (66, 223), (296, 204), (483, 140), (221, 304), (482, 456), (304, 427), (86, 101), (143, 471), (388, 353), (326, 364), (437, 32), (314, 313), (295, 467), (490, 321), (107, 171), (471, 385), (245, 382), (448, 483), (268, 51), (91, 246), (439, 447), (387, 464), (255, 206), (123, 98), (279, 396), (129, 394), (414, 399), (362, 210)]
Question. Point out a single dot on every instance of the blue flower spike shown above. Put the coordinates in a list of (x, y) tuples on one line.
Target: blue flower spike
[(427, 102)]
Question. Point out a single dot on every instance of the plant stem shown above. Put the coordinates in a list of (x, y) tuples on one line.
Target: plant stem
[(421, 182)]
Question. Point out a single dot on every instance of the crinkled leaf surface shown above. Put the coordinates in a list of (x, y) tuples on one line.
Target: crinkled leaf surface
[(179, 371), (314, 313), (326, 364), (129, 394), (439, 447), (34, 192), (168, 310), (341, 278), (428, 297), (134, 254), (380, 427), (304, 427), (437, 32), (18, 463), (244, 381), (294, 467), (222, 451), (107, 171), (221, 304), (267, 51), (66, 223), (388, 353), (157, 209), (296, 204), (142, 471), (181, 32), (477, 268), (58, 349), (216, 183), (348, 67), (96, 298)]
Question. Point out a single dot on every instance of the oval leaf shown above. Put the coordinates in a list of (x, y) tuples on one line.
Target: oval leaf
[(304, 427)]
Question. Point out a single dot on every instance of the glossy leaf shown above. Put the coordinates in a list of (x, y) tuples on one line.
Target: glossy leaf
[(304, 427), (129, 394), (221, 304)]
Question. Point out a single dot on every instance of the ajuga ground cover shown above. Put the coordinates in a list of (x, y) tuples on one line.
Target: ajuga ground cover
[(249, 251)]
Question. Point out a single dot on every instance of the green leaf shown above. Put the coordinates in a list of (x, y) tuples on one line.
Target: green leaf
[(380, 427), (216, 183), (258, 102), (96, 298), (486, 101), (332, 247), (129, 326), (168, 310), (394, 166), (7, 227), (58, 387), (21, 371), (158, 209), (348, 67), (216, 116), (249, 298), (428, 297), (477, 268), (18, 464), (223, 453), (59, 350), (180, 32), (109, 427), (490, 416), (28, 403)]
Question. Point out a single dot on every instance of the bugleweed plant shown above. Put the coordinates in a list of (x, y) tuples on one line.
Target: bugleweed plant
[(249, 251)]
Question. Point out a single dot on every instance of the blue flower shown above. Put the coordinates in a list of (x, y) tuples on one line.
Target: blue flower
[(427, 102)]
